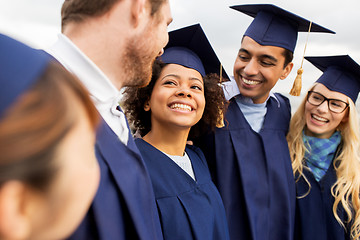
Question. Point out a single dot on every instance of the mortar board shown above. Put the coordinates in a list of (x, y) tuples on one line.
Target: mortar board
[(20, 67), (190, 48), (340, 73), (274, 26)]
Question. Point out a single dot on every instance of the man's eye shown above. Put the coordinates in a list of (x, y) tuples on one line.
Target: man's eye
[(267, 64), (243, 58)]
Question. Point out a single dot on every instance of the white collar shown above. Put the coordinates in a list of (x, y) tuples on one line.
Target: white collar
[(72, 58), (230, 88), (104, 94)]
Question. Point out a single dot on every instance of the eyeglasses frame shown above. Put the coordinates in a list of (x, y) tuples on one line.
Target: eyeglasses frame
[(328, 101)]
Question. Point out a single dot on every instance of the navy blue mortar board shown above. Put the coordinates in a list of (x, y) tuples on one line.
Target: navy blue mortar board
[(340, 73), (20, 67), (274, 26), (190, 48)]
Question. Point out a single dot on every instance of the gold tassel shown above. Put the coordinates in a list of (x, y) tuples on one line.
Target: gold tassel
[(296, 89), (220, 122), (220, 73)]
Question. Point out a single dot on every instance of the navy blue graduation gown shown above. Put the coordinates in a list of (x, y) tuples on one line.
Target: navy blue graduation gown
[(314, 216), (253, 173), (124, 206), (188, 209)]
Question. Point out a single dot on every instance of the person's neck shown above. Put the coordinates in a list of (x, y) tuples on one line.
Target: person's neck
[(96, 50), (171, 141), (256, 100)]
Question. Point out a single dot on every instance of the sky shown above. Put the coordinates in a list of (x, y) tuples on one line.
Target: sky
[(37, 23)]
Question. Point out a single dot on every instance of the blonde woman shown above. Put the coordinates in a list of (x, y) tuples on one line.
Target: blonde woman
[(324, 147)]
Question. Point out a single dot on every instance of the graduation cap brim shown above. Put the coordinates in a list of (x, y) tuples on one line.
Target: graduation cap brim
[(194, 39), (340, 73), (302, 23), (274, 26)]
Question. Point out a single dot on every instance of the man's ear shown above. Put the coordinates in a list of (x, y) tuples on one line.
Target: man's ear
[(287, 70), (138, 9), (14, 219)]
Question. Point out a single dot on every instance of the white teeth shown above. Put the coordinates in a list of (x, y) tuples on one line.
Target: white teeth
[(180, 106), (319, 118), (250, 82)]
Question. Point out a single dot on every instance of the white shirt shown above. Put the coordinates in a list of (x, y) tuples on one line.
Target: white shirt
[(184, 163), (104, 94), (253, 113)]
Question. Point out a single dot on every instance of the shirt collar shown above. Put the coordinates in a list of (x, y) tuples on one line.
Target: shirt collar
[(71, 57), (231, 90)]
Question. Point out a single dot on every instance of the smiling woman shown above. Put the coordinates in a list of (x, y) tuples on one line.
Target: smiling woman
[(177, 100), (183, 97), (324, 147), (206, 116)]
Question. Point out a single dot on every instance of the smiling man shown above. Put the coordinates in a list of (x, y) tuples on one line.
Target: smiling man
[(250, 161)]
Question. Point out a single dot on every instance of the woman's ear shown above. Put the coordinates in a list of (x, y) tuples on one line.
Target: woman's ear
[(147, 106), (14, 219), (346, 117)]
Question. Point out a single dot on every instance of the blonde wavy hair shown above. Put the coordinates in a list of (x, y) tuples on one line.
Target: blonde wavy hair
[(347, 164)]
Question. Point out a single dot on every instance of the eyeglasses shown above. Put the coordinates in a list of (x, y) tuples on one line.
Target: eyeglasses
[(335, 105)]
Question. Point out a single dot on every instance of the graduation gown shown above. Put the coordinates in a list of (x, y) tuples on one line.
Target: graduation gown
[(124, 206), (188, 209), (314, 216), (253, 172)]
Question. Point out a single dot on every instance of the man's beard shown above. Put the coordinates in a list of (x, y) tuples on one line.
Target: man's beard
[(138, 62)]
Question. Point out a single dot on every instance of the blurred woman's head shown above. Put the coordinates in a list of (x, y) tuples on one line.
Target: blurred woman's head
[(48, 170)]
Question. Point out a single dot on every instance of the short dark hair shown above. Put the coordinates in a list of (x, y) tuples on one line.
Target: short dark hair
[(289, 55), (135, 98), (78, 10), (33, 127)]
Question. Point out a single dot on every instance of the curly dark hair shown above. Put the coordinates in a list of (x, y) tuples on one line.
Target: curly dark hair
[(135, 98)]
